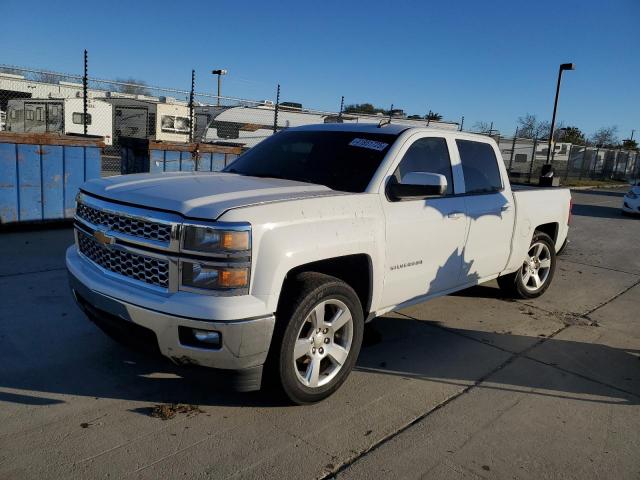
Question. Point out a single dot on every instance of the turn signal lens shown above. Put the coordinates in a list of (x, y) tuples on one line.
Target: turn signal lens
[(234, 278), (235, 240), (208, 277)]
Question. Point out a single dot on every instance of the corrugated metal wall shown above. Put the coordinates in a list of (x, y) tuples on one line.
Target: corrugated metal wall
[(39, 181)]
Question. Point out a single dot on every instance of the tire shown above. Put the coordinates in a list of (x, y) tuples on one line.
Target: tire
[(325, 357), (522, 283)]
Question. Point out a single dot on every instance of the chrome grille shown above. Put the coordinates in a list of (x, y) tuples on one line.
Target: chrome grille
[(125, 224), (145, 269)]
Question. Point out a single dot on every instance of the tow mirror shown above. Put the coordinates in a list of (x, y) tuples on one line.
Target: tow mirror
[(417, 185)]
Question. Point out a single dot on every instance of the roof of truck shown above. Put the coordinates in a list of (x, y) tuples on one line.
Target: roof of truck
[(390, 128)]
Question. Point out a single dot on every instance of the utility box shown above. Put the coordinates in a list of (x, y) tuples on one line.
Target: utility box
[(40, 174), (148, 156), (547, 177)]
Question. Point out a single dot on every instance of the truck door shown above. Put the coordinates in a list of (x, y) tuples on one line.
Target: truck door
[(489, 209), (424, 238)]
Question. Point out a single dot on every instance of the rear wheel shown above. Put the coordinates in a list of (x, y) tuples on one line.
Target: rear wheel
[(318, 337), (535, 273)]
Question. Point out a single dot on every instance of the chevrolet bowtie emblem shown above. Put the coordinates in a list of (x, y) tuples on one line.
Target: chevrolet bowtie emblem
[(102, 238)]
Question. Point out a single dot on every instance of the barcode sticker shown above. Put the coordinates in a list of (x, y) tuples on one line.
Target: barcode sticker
[(370, 144)]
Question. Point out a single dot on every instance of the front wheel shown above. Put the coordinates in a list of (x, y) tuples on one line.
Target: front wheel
[(536, 271), (320, 329)]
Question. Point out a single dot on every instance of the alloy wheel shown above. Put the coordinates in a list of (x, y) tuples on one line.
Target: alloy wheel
[(536, 266), (323, 343)]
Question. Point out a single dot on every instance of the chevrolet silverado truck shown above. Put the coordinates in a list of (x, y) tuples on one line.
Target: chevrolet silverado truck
[(274, 265)]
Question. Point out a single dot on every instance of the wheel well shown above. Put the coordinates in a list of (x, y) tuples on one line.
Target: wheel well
[(354, 270), (550, 229)]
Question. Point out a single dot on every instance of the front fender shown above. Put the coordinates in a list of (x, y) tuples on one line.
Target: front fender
[(305, 231)]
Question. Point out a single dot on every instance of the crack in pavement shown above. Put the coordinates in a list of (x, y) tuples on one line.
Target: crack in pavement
[(636, 274), (7, 275), (442, 404)]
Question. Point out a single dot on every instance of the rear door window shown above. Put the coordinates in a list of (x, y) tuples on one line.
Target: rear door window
[(479, 167)]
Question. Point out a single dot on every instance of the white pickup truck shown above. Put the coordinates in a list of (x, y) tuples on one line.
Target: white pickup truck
[(276, 263)]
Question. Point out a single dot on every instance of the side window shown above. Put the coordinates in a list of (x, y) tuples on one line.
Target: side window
[(78, 118), (427, 155), (479, 167)]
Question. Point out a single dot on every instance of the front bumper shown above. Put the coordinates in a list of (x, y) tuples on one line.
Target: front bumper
[(244, 342)]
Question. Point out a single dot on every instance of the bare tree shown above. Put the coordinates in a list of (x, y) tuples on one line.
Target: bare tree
[(433, 116), (482, 127), (605, 137), (530, 127), (133, 86)]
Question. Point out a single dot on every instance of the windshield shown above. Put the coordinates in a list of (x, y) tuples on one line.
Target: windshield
[(344, 161)]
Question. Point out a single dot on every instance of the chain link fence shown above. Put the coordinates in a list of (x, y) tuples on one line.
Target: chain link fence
[(36, 101), (525, 157)]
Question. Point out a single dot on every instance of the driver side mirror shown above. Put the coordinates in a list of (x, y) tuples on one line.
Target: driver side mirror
[(417, 186)]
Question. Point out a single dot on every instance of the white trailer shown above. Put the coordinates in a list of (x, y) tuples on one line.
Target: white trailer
[(59, 115), (140, 117), (248, 125)]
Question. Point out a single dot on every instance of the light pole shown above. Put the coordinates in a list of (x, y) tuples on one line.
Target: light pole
[(219, 73), (563, 67)]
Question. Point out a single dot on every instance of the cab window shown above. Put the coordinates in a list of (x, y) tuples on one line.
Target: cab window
[(479, 167), (427, 155)]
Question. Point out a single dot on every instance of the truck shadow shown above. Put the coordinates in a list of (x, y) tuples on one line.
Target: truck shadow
[(398, 346), (607, 193), (427, 350), (599, 211)]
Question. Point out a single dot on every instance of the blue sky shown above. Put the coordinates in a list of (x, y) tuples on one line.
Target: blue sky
[(490, 61)]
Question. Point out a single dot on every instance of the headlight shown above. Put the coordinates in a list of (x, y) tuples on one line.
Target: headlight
[(208, 277), (227, 248), (632, 195), (208, 239)]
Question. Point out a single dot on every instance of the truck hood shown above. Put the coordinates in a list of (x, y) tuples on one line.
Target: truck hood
[(200, 195)]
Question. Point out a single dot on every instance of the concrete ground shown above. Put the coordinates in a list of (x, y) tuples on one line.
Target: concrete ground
[(466, 386)]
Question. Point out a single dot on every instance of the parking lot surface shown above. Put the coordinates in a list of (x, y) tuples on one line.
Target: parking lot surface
[(466, 386)]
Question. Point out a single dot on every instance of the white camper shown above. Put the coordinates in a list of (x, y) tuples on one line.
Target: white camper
[(61, 115)]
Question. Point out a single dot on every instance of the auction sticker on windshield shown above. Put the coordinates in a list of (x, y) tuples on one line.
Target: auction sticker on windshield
[(371, 144)]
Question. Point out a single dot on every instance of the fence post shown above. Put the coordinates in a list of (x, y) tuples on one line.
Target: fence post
[(636, 167), (566, 171), (513, 149), (626, 163), (584, 156), (193, 85), (85, 82), (275, 115), (595, 163), (533, 158), (615, 168)]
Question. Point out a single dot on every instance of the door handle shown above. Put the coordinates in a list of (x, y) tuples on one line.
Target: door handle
[(455, 215)]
